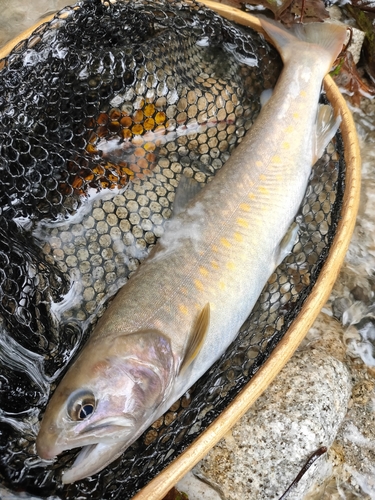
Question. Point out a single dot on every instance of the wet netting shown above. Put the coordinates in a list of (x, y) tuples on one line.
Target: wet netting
[(101, 112)]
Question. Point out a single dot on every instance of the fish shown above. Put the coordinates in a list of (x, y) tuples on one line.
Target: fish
[(187, 301)]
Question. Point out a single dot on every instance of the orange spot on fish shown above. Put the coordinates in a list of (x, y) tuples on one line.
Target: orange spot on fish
[(221, 285), (245, 207), (262, 177), (238, 237), (289, 129), (276, 159), (214, 264), (203, 271), (263, 190), (198, 285), (225, 242), (296, 116), (242, 222), (231, 266), (285, 145), (183, 309), (251, 196), (303, 93), (258, 163), (214, 248)]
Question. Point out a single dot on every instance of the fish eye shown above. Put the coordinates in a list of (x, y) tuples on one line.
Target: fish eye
[(81, 405)]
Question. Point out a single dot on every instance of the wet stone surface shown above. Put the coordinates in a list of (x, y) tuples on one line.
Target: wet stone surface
[(299, 413)]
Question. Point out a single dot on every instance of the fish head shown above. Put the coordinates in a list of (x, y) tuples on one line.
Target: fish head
[(108, 397)]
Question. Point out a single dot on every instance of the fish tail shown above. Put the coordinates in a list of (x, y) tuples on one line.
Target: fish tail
[(328, 36)]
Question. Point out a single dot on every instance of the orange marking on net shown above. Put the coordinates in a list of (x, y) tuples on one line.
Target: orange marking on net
[(149, 109)]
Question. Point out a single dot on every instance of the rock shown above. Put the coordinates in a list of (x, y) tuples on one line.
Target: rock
[(195, 488), (299, 413), (15, 18)]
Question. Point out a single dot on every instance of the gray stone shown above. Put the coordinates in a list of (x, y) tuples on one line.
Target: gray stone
[(299, 413)]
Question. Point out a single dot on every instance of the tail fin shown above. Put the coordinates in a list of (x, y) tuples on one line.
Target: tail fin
[(329, 36)]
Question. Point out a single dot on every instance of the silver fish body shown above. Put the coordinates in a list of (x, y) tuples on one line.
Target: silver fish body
[(187, 301)]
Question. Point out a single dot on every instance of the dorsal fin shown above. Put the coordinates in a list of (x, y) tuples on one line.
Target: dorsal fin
[(197, 337)]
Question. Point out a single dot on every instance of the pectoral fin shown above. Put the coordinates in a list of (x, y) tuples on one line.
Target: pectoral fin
[(196, 338), (187, 189), (326, 127), (265, 96), (286, 244)]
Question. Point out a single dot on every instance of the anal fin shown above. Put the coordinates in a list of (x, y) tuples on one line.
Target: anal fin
[(197, 337)]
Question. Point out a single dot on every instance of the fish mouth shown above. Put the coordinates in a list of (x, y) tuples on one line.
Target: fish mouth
[(101, 442), (101, 448), (92, 459)]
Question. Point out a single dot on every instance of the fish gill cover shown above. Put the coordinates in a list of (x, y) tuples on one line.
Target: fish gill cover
[(101, 111)]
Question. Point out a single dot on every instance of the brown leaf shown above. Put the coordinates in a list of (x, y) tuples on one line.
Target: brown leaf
[(349, 80), (289, 11), (275, 6), (174, 494), (238, 4), (366, 22), (306, 11), (364, 4)]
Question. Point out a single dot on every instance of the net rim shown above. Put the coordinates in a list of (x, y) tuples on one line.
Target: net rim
[(159, 486)]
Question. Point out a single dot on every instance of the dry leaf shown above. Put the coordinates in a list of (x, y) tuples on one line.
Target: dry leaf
[(275, 6), (174, 494), (366, 22), (349, 80), (289, 11), (364, 4), (307, 11)]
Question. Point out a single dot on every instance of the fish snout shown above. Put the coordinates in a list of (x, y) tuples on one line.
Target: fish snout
[(45, 450), (46, 443)]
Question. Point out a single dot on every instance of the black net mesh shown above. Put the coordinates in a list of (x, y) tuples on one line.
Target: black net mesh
[(101, 111)]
